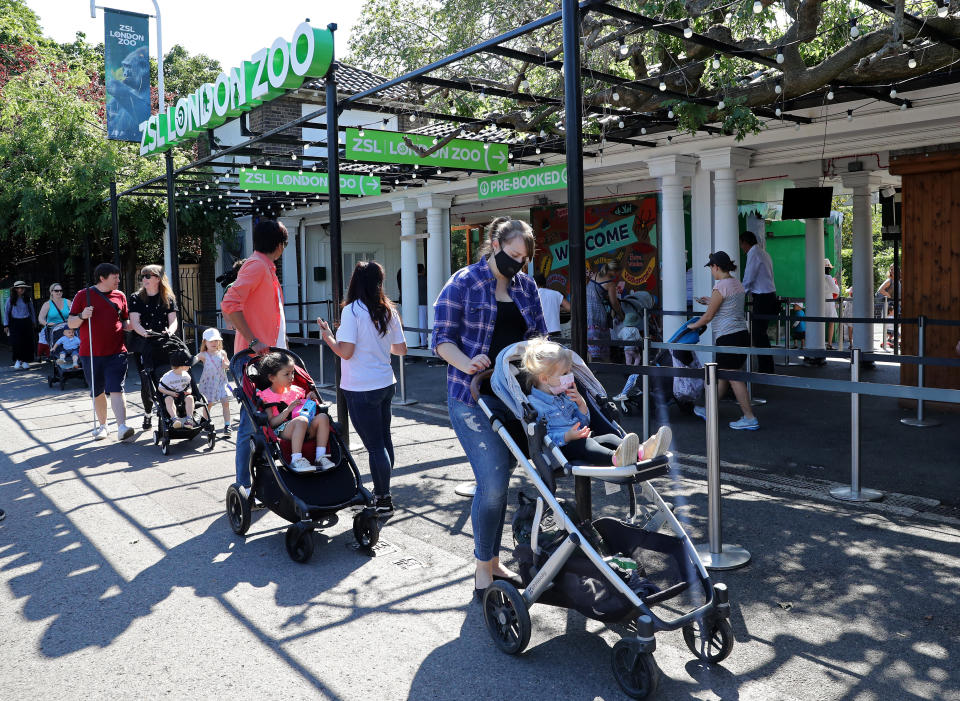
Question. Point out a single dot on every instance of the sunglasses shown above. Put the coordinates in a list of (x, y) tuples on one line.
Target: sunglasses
[(57, 290), (148, 275)]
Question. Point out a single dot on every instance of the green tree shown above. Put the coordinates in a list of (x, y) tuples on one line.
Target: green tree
[(183, 73)]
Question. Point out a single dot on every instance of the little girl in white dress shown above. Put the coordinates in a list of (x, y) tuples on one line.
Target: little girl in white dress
[(213, 382)]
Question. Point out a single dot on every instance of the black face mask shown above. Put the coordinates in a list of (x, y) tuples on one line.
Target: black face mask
[(507, 266)]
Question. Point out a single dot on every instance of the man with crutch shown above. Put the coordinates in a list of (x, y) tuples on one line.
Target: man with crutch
[(100, 313)]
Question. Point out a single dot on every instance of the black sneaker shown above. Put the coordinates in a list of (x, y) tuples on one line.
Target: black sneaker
[(384, 505), (3, 514), (147, 423)]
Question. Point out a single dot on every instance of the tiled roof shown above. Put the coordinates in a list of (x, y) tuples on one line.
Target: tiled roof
[(351, 80)]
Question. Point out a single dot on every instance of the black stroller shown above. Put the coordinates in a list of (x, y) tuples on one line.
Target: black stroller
[(170, 346), (59, 373), (608, 569), (684, 391), (309, 500)]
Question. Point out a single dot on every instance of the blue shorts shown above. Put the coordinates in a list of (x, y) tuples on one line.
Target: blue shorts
[(109, 372)]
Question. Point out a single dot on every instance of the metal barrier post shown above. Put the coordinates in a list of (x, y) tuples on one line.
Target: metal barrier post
[(920, 421), (403, 401), (323, 380), (854, 491), (715, 555), (645, 380)]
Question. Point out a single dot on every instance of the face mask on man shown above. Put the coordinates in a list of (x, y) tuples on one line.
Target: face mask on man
[(507, 266)]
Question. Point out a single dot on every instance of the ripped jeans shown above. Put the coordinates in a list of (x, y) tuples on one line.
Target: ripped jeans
[(492, 465)]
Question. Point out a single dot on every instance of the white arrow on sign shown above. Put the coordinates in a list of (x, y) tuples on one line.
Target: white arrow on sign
[(500, 157)]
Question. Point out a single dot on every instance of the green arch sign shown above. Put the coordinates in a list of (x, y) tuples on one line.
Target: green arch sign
[(269, 73)]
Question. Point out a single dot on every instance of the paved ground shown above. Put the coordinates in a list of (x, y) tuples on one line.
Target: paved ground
[(120, 577)]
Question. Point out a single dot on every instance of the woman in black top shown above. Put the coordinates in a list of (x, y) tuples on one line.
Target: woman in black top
[(152, 308)]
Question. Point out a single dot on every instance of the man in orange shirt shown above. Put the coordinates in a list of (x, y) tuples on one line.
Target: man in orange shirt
[(253, 304)]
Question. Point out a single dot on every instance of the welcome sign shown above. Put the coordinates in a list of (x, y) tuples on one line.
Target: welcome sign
[(598, 241), (268, 74), (276, 180)]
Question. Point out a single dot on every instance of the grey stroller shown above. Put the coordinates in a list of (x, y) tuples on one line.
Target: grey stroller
[(609, 569)]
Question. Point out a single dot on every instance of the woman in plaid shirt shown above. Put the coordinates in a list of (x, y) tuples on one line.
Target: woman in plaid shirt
[(481, 310)]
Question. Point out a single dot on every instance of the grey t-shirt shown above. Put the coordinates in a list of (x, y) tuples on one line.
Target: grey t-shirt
[(729, 317)]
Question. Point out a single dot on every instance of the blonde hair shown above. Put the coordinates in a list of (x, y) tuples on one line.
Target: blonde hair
[(166, 294), (542, 357), (203, 345)]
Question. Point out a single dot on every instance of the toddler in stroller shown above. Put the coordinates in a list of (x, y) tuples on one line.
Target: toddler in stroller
[(64, 344), (298, 419), (555, 398), (174, 394), (175, 386), (68, 343)]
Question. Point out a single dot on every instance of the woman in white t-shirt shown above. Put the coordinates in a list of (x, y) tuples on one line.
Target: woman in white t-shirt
[(552, 303), (369, 332)]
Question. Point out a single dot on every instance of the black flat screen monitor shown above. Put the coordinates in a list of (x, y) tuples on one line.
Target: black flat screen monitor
[(807, 202)]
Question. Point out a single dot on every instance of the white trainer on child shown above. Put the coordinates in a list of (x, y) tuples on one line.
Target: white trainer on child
[(626, 453), (301, 464), (325, 463), (657, 444)]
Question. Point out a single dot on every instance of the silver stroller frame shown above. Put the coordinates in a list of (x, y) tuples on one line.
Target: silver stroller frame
[(706, 629)]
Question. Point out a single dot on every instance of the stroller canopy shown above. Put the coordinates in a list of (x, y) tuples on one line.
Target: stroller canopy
[(504, 382)]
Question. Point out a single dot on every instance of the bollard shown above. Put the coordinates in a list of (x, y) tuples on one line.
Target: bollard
[(854, 492), (403, 401), (715, 555), (920, 421), (645, 380), (323, 381)]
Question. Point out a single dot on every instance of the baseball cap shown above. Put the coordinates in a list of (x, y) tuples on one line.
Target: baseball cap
[(720, 259), (212, 335), (827, 263)]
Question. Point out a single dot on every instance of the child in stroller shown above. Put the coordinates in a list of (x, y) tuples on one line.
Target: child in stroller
[(68, 343), (175, 386), (555, 398), (294, 422)]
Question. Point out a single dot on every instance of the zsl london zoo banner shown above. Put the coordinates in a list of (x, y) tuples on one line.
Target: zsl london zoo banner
[(127, 61), (621, 231)]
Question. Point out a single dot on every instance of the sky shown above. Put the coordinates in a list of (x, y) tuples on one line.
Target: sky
[(226, 31)]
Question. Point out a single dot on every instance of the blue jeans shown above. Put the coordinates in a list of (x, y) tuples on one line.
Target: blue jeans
[(370, 413), (492, 463), (245, 433)]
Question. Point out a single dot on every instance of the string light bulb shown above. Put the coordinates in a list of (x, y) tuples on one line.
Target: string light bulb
[(893, 92), (524, 83), (778, 112), (643, 130), (943, 8), (757, 7), (830, 94), (360, 133), (412, 118), (716, 63), (615, 96), (620, 124), (912, 60), (266, 162), (663, 86), (721, 104), (780, 56), (670, 114), (903, 106), (777, 87), (854, 29), (687, 30), (849, 115), (293, 156), (623, 47)]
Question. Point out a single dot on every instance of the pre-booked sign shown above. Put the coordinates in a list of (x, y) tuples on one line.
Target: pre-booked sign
[(389, 147), (282, 180), (523, 182), (599, 240)]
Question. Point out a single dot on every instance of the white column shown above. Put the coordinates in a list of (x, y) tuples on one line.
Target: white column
[(815, 304), (408, 266), (435, 206), (303, 293), (673, 172), (701, 239), (446, 246), (862, 260), (725, 162)]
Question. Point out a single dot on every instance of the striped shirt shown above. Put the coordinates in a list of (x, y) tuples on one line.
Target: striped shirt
[(466, 312)]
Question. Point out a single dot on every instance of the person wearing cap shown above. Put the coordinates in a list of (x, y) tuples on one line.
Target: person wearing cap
[(831, 290), (20, 320), (153, 310), (213, 383), (758, 283), (725, 310)]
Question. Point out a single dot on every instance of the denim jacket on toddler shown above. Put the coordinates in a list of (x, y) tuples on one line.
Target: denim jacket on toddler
[(561, 413)]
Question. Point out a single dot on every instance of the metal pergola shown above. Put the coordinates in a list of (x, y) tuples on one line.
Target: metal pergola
[(215, 175)]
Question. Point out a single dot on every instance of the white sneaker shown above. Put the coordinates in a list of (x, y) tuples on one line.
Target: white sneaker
[(100, 432), (657, 444), (325, 463), (626, 453), (301, 464), (124, 432)]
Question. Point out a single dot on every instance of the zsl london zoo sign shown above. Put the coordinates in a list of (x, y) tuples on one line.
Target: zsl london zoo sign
[(350, 184), (390, 147), (268, 74)]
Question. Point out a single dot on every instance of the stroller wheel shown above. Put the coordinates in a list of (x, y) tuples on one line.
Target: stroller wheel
[(50, 382), (63, 383), (238, 510), (366, 528), (165, 446), (299, 541), (507, 617), (211, 439), (717, 636), (636, 672), (156, 437)]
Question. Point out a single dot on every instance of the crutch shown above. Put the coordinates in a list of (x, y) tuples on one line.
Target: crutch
[(93, 382)]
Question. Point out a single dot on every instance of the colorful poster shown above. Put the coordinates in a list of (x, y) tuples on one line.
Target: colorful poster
[(127, 61), (621, 231)]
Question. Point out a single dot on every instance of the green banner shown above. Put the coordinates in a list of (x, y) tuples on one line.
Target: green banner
[(282, 180), (599, 240), (126, 50), (389, 147), (523, 182)]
